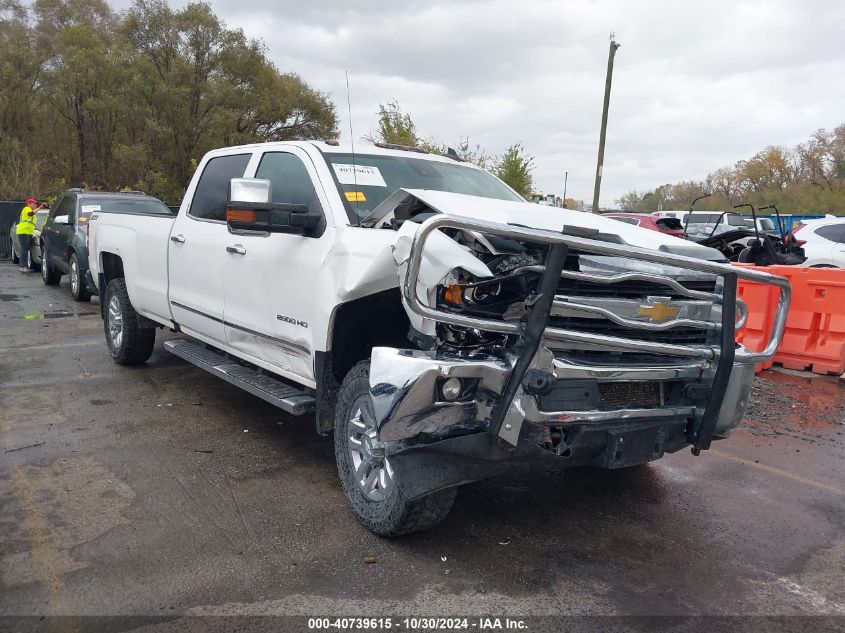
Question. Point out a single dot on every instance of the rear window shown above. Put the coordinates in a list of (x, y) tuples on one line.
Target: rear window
[(767, 225), (733, 219), (704, 218), (671, 224), (833, 232), (142, 206)]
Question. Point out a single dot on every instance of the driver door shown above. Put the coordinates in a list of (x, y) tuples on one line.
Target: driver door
[(55, 237), (272, 279)]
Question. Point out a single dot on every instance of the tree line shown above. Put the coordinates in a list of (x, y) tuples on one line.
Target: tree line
[(108, 100), (809, 178), (132, 100)]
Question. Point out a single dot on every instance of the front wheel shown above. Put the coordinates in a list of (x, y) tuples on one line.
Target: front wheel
[(369, 480), (77, 280), (128, 343)]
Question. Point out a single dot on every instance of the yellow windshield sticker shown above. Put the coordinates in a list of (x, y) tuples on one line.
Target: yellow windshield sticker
[(356, 196)]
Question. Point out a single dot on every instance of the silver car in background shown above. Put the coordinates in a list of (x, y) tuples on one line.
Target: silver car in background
[(35, 246)]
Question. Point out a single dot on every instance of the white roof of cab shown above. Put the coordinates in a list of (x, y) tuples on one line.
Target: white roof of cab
[(361, 148)]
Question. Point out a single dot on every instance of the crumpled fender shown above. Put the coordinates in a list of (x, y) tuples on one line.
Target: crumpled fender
[(440, 256)]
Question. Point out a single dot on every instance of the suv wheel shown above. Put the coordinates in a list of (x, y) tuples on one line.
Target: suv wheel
[(49, 275), (15, 258), (366, 474), (77, 281), (128, 343)]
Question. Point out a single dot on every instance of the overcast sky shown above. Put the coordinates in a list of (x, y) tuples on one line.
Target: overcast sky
[(696, 85)]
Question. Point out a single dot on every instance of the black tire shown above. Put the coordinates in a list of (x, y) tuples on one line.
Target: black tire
[(393, 515), (135, 344), (77, 279), (49, 275), (15, 258)]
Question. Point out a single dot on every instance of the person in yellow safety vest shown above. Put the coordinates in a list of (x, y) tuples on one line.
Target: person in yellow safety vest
[(26, 227)]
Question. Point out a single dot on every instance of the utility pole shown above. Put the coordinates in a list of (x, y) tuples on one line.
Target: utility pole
[(565, 180), (600, 164)]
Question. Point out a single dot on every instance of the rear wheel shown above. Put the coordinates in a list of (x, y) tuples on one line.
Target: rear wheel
[(128, 343), (369, 480), (15, 258), (49, 275), (77, 281)]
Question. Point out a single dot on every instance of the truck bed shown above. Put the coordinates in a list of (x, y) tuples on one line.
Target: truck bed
[(142, 242)]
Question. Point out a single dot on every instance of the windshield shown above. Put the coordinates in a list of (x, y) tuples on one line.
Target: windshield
[(143, 206), (767, 225), (374, 178)]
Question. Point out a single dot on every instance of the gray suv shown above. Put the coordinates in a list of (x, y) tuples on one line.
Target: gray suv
[(64, 237)]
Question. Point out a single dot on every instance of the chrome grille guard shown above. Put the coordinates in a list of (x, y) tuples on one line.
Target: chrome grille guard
[(728, 300)]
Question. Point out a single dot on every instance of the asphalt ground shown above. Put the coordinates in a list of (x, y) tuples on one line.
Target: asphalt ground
[(161, 490)]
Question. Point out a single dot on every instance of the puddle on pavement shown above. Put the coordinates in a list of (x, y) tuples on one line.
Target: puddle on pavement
[(795, 404), (7, 297)]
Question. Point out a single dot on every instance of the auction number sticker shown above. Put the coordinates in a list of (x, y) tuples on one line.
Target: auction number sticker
[(359, 175)]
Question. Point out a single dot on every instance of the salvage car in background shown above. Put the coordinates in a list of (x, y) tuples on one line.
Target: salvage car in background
[(669, 226), (35, 245), (823, 242), (64, 237)]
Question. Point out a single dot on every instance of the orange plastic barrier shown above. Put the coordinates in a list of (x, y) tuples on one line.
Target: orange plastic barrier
[(815, 326), (762, 302)]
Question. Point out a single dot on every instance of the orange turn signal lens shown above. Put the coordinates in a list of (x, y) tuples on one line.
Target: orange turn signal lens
[(454, 295), (238, 215)]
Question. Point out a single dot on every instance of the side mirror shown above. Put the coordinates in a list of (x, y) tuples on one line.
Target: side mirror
[(61, 219), (249, 208)]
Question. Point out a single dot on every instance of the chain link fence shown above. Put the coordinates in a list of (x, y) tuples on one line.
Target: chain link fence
[(10, 211)]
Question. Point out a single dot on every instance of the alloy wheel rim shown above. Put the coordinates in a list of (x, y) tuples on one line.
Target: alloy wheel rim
[(372, 470), (115, 323), (74, 276)]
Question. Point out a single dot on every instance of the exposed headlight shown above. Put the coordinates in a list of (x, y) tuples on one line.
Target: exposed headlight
[(451, 389), (460, 289)]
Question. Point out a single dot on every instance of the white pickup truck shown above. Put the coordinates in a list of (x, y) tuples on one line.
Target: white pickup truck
[(438, 323)]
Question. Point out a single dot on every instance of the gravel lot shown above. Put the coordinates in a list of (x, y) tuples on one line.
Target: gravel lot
[(162, 490)]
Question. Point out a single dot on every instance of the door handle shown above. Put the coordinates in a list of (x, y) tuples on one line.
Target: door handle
[(236, 249), (178, 238)]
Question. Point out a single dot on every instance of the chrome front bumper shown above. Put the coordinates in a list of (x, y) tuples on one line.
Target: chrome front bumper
[(670, 395), (404, 389)]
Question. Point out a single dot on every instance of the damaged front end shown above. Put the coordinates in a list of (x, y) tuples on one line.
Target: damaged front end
[(571, 344)]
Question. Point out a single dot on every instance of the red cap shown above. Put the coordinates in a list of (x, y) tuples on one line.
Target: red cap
[(31, 202)]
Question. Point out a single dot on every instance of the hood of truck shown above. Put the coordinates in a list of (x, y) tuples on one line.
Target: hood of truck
[(543, 217), (442, 254)]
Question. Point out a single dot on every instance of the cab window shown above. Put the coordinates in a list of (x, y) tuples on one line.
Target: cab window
[(291, 182), (209, 202), (65, 207)]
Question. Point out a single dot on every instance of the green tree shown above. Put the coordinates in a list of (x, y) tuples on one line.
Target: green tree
[(514, 167), (81, 78), (395, 126)]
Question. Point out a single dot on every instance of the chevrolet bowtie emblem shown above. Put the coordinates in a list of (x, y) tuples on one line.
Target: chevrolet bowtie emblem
[(658, 310)]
